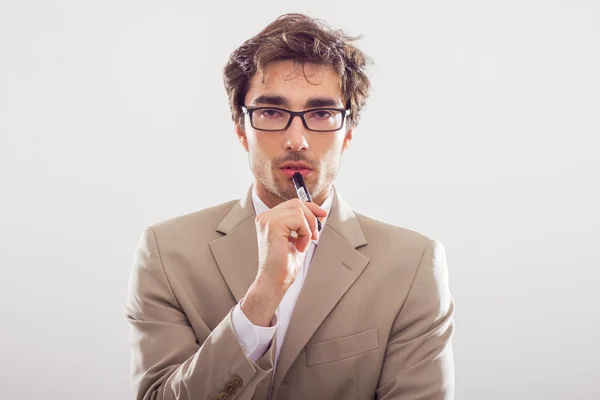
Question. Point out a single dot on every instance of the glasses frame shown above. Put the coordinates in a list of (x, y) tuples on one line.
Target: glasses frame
[(250, 110)]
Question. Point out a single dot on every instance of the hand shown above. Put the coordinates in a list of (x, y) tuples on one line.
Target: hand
[(283, 232), (278, 246)]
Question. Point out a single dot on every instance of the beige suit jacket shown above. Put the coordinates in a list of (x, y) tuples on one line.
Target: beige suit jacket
[(374, 319)]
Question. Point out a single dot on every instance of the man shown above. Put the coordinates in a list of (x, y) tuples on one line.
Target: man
[(249, 299)]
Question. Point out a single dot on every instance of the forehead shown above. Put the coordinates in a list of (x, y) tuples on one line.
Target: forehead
[(296, 82)]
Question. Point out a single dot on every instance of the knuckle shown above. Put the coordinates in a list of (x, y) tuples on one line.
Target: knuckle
[(262, 221), (259, 219)]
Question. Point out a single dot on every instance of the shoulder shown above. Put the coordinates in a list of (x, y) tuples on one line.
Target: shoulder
[(199, 223), (397, 246), (380, 231)]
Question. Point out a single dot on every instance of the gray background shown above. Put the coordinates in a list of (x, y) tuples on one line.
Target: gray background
[(482, 131)]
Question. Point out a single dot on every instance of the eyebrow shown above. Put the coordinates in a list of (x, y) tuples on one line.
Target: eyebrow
[(312, 102)]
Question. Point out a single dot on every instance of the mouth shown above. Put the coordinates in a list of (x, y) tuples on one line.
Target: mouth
[(290, 171)]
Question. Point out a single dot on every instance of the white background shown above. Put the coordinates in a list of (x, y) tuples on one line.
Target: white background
[(482, 131)]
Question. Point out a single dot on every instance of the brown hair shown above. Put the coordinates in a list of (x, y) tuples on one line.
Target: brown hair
[(302, 39)]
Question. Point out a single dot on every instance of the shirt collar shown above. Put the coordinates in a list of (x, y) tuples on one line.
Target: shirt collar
[(260, 207)]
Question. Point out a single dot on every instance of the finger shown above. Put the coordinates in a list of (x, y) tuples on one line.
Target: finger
[(310, 217), (311, 212), (317, 213), (296, 221), (302, 243), (297, 204), (315, 209)]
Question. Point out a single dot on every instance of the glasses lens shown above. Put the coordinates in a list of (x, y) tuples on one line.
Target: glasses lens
[(324, 120), (270, 119)]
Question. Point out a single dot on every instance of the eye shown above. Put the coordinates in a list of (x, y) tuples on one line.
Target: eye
[(270, 113), (321, 114)]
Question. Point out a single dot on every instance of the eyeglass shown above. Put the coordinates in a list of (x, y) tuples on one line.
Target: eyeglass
[(279, 119)]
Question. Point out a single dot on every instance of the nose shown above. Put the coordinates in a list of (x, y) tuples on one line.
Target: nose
[(295, 135)]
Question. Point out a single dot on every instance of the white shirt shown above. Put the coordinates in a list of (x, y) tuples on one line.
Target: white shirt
[(255, 340)]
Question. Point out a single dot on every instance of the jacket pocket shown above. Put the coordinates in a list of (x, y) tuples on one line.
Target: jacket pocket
[(339, 349)]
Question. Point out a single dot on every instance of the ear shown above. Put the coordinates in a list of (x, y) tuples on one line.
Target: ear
[(348, 138), (239, 131)]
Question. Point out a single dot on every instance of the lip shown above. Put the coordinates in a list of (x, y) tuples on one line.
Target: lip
[(295, 165), (289, 172)]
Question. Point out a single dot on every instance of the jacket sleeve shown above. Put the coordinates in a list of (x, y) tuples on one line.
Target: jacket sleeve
[(418, 362), (168, 360)]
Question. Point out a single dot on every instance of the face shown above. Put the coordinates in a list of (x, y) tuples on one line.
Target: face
[(284, 85)]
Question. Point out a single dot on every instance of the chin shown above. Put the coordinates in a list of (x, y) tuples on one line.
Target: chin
[(287, 191)]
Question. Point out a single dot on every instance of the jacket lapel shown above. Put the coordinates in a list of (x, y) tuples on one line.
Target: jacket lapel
[(336, 264), (236, 253)]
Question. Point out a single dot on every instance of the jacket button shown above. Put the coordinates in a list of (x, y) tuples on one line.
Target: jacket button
[(230, 388), (237, 381), (224, 396), (265, 380)]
